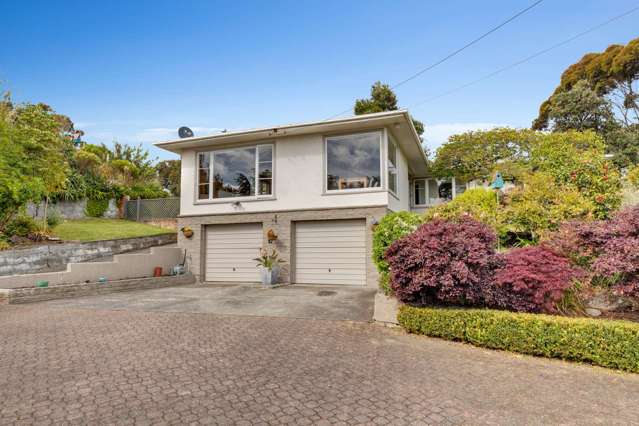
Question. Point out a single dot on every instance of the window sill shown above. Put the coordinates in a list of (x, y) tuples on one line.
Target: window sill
[(353, 191), (234, 200)]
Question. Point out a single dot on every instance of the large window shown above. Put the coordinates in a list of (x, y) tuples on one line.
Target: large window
[(392, 166), (353, 162), (431, 192), (232, 173)]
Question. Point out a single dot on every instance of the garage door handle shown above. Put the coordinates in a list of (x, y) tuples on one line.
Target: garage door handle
[(233, 269), (329, 269)]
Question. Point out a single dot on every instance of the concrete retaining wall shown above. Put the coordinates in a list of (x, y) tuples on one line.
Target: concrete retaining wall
[(123, 266), (56, 256), (28, 295), (69, 209)]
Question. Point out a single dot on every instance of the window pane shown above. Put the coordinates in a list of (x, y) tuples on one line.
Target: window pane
[(266, 187), (353, 162), (420, 193), (266, 153), (266, 170), (392, 153), (203, 191), (392, 181), (234, 173), (203, 176), (203, 160)]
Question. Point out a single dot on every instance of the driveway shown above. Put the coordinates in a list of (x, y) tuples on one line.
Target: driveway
[(313, 302), (99, 366)]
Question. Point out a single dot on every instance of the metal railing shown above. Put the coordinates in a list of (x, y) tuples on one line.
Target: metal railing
[(154, 208)]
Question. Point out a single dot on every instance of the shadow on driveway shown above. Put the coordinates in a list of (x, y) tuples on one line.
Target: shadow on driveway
[(296, 301)]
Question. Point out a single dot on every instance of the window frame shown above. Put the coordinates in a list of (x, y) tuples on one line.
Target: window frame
[(382, 159), (392, 145), (427, 191), (256, 197)]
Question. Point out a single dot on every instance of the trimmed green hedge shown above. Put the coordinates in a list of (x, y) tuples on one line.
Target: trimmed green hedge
[(613, 344)]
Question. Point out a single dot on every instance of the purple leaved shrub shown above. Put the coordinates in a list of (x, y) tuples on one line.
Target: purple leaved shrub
[(444, 262), (533, 279), (608, 248)]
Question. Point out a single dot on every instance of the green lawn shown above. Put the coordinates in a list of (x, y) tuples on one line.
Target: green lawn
[(104, 229)]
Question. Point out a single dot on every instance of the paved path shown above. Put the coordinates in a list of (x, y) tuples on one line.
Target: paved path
[(297, 301), (98, 366)]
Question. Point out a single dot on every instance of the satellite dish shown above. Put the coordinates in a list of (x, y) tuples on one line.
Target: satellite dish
[(185, 132)]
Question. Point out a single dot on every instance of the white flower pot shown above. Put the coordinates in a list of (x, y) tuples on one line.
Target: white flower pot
[(269, 276)]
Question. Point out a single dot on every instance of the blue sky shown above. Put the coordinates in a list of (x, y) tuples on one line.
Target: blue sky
[(136, 71)]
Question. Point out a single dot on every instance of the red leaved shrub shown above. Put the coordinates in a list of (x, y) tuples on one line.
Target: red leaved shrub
[(444, 262), (532, 279), (609, 248)]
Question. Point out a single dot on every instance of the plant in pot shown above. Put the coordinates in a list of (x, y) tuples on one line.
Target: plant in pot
[(269, 261)]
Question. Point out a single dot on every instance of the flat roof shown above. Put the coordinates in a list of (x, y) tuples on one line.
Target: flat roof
[(399, 123)]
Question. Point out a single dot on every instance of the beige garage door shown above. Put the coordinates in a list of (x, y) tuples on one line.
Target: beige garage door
[(230, 250), (330, 252)]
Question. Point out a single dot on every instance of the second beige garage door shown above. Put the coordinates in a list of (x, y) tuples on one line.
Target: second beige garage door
[(330, 252)]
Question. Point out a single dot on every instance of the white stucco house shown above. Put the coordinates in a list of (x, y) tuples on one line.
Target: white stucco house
[(320, 187)]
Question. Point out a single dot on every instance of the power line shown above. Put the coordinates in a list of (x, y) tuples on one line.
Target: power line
[(526, 59), (450, 55)]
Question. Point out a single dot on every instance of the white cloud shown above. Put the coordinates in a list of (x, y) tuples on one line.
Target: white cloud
[(436, 134)]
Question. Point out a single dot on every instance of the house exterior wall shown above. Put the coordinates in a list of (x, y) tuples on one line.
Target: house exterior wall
[(401, 199), (298, 184), (283, 223)]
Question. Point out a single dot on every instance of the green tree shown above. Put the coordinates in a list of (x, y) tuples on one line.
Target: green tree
[(613, 73), (623, 145), (169, 173), (580, 108), (382, 99)]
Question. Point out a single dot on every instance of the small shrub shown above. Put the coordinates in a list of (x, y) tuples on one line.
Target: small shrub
[(533, 279), (633, 176), (22, 226), (392, 227), (4, 245), (613, 344), (444, 262), (96, 208), (54, 218), (478, 203)]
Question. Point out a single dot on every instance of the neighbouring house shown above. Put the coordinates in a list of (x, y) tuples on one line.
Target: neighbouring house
[(319, 187)]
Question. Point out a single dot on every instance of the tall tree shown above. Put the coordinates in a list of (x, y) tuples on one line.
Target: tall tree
[(169, 173), (580, 108), (382, 99)]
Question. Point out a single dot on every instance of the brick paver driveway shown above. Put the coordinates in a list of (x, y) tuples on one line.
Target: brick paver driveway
[(97, 366)]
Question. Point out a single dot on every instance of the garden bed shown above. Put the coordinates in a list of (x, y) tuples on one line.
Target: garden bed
[(607, 343)]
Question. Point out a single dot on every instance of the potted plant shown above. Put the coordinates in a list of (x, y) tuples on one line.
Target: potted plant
[(270, 262)]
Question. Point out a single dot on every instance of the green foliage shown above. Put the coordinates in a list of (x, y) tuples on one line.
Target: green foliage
[(580, 108), (269, 259), (152, 190), (4, 245), (169, 173), (53, 218), (623, 145), (613, 344), (22, 225), (392, 227), (540, 205), (478, 154), (633, 176), (382, 99), (478, 203), (576, 160), (96, 208), (610, 73)]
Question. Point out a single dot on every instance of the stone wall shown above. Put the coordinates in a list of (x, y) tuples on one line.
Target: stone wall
[(282, 223), (55, 256), (122, 267), (28, 295), (69, 209)]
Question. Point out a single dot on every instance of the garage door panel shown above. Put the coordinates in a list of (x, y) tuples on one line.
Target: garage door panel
[(330, 252), (230, 250)]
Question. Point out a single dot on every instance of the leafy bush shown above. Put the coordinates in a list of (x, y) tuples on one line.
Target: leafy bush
[(533, 279), (633, 176), (539, 206), (96, 208), (392, 227), (444, 262), (54, 218), (607, 247), (22, 225), (4, 245), (478, 203), (613, 344)]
